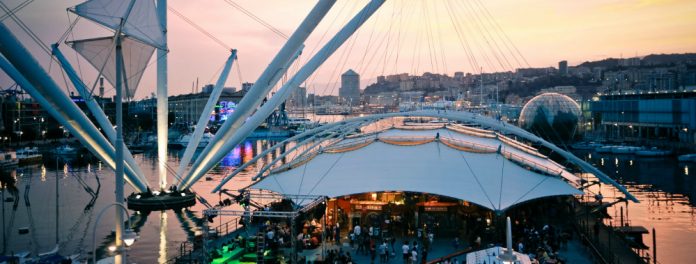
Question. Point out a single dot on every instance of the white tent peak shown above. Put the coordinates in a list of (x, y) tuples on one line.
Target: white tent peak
[(142, 22), (100, 52)]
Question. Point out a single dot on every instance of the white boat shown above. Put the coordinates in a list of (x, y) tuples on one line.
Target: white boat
[(65, 150), (184, 140), (653, 152), (604, 149), (688, 157), (29, 155), (299, 121), (585, 145), (625, 149), (8, 159)]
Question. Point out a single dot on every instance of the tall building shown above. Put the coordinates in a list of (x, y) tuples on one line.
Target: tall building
[(349, 93), (563, 67), (247, 86)]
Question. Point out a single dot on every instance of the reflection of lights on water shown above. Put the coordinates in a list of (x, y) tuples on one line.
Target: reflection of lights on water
[(163, 238), (43, 173), (616, 162), (630, 162), (232, 159), (602, 161), (248, 151), (686, 170), (589, 156)]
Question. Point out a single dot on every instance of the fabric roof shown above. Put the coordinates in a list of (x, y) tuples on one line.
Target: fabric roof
[(489, 180), (491, 142)]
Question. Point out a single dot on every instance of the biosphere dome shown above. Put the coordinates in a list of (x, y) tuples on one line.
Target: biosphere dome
[(552, 116)]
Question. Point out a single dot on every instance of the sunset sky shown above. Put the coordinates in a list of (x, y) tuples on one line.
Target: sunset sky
[(420, 33)]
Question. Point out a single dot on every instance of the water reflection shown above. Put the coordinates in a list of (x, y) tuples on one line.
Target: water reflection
[(80, 182), (667, 198)]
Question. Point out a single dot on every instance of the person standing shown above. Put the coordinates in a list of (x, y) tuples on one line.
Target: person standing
[(405, 250), (414, 255), (383, 252)]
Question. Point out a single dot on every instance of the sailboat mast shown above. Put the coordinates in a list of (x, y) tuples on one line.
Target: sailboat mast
[(162, 100)]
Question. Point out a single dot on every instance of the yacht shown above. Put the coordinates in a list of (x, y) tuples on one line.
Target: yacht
[(65, 150), (29, 155), (184, 140), (8, 159)]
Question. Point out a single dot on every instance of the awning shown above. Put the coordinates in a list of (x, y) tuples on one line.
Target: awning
[(486, 179)]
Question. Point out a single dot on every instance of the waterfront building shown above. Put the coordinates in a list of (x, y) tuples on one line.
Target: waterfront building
[(298, 98), (553, 116), (349, 93), (185, 109), (563, 67), (647, 118)]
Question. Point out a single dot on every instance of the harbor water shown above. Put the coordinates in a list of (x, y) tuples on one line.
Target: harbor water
[(665, 187)]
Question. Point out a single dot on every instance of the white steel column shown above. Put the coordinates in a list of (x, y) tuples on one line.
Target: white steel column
[(260, 89), (121, 256), (38, 83), (162, 99), (205, 115), (96, 111), (282, 94)]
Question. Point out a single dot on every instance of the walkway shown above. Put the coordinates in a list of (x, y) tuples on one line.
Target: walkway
[(575, 252)]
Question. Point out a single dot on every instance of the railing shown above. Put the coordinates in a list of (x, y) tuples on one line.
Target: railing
[(606, 245), (455, 254), (467, 144)]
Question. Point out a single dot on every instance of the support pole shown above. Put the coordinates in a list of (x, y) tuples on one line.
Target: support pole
[(162, 100), (654, 247), (205, 115), (96, 111), (262, 113), (18, 62), (270, 76), (121, 257)]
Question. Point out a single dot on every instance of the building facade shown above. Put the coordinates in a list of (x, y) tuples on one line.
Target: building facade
[(349, 93), (648, 118)]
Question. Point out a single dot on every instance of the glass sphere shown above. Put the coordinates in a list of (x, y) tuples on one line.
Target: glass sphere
[(552, 116)]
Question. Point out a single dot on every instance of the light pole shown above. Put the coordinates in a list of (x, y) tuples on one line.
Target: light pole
[(128, 237)]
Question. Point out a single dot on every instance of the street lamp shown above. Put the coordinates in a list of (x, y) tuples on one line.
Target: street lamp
[(128, 237)]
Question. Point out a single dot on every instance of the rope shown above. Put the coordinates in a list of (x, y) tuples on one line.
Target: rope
[(16, 9), (475, 177), (256, 18), (199, 28)]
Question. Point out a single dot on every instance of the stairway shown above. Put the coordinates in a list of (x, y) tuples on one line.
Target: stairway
[(260, 247)]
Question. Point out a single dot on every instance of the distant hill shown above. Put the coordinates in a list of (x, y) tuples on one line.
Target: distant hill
[(605, 63), (652, 59), (656, 59)]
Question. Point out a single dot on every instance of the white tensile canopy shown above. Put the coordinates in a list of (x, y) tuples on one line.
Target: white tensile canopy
[(487, 179), (141, 23), (101, 52)]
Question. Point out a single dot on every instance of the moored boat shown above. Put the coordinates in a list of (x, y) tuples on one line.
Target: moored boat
[(65, 150), (8, 159), (29, 156), (653, 152), (687, 158), (585, 145)]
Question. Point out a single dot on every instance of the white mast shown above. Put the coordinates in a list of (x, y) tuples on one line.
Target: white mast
[(264, 111), (162, 100), (253, 98)]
